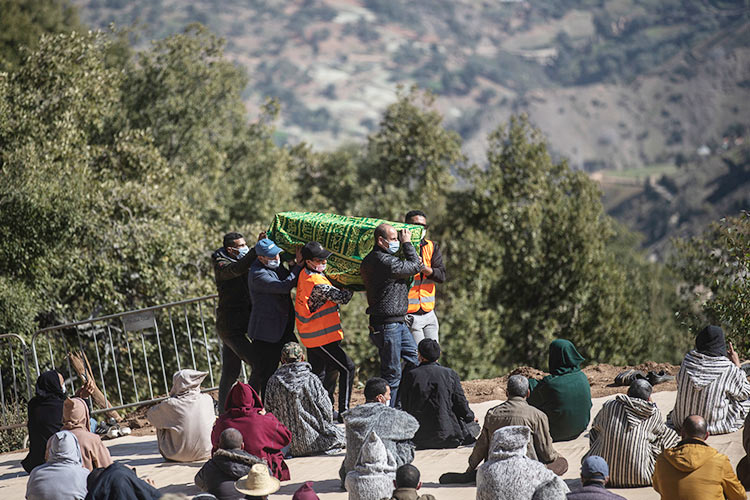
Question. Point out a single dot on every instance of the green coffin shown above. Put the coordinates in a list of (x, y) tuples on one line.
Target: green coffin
[(349, 239)]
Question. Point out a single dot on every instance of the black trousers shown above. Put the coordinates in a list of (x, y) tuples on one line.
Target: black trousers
[(266, 358), (329, 362), (236, 348)]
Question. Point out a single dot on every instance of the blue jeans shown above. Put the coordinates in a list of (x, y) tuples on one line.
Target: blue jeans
[(394, 341)]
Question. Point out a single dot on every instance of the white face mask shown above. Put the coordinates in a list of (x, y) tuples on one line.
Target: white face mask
[(320, 268), (273, 264)]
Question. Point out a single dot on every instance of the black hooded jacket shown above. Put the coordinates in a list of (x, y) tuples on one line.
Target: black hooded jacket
[(44, 417), (217, 476)]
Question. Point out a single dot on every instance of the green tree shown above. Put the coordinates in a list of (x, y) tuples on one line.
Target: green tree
[(23, 22), (715, 268), (530, 263)]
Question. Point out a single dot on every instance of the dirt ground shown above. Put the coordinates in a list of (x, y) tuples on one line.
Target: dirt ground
[(601, 377)]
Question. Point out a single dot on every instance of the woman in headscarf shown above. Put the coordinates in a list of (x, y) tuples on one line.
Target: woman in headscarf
[(76, 419), (62, 477), (119, 482), (183, 422), (712, 384), (565, 394), (262, 434), (44, 416)]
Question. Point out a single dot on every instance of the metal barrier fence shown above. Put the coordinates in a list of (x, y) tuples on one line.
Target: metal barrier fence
[(15, 381), (134, 354)]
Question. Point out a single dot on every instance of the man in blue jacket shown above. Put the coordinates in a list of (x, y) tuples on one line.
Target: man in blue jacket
[(272, 317)]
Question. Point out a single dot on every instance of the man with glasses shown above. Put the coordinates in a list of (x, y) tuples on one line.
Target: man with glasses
[(421, 317)]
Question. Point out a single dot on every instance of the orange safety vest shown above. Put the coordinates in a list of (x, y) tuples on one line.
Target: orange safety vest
[(324, 325), (422, 292)]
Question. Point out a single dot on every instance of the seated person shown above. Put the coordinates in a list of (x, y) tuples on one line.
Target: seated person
[(711, 384), (372, 476), (394, 427), (565, 394), (743, 467), (262, 434), (515, 411), (76, 419), (258, 483), (62, 477), (693, 470), (407, 484), (508, 473), (183, 421), (44, 416), (119, 482), (433, 395), (229, 463), (594, 478), (297, 397), (628, 432)]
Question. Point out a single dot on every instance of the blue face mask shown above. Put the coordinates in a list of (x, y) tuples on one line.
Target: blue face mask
[(393, 247), (273, 264), (242, 251)]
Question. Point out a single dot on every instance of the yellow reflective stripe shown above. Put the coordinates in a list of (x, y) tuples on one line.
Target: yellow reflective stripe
[(319, 314), (320, 333)]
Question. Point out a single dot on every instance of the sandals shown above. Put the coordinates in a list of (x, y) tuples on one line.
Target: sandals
[(628, 376)]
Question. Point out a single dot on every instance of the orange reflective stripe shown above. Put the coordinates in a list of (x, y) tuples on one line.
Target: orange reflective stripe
[(422, 292), (324, 325)]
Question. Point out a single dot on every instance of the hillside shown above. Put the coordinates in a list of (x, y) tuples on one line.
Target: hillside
[(613, 84)]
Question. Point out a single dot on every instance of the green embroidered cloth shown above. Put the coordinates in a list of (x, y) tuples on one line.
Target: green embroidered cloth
[(349, 239)]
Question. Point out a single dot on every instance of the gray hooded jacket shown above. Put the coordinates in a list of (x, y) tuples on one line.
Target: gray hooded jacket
[(63, 476), (297, 397), (394, 427)]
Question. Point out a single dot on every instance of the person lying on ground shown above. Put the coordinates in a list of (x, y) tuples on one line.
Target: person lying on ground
[(565, 394), (693, 470), (297, 398), (119, 482), (394, 427), (433, 395), (407, 484), (76, 419), (183, 421), (373, 475), (229, 463), (629, 433), (711, 384), (515, 411), (262, 434), (508, 474), (63, 476), (594, 478)]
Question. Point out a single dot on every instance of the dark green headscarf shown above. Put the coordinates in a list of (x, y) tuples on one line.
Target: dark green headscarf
[(563, 357)]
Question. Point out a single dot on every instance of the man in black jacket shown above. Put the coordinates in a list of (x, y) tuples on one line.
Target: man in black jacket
[(433, 395), (231, 264), (387, 278), (229, 463)]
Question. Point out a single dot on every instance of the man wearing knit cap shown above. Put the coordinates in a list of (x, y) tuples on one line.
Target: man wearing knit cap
[(271, 322), (433, 395), (594, 477)]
